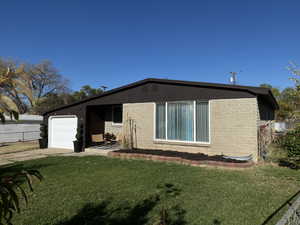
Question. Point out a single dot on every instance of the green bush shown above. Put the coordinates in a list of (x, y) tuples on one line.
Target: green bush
[(110, 137), (44, 131), (79, 133), (291, 142)]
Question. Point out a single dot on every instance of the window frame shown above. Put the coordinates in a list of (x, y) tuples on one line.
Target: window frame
[(112, 115), (194, 123)]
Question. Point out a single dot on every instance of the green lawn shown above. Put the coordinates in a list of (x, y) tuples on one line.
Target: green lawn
[(97, 190)]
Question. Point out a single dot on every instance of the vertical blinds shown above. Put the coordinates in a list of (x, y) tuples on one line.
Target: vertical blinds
[(180, 121), (160, 121), (183, 121), (202, 122)]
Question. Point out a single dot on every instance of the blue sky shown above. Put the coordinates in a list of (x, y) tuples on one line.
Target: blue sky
[(116, 42)]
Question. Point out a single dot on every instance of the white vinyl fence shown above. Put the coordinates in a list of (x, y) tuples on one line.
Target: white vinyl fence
[(19, 132)]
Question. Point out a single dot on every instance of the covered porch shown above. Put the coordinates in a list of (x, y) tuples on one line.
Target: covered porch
[(104, 126)]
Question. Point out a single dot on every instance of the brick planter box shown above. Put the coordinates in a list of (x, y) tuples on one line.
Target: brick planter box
[(180, 160)]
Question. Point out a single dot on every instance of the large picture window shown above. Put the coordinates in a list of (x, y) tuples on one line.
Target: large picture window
[(182, 121)]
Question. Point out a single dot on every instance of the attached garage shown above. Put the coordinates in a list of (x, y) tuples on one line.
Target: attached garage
[(62, 131)]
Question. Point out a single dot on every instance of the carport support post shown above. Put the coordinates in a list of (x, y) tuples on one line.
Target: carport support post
[(84, 121)]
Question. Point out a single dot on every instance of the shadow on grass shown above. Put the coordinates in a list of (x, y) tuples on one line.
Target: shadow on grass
[(11, 168), (216, 222), (139, 214), (92, 214)]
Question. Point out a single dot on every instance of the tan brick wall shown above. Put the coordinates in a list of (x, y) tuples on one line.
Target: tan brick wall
[(116, 129), (233, 128)]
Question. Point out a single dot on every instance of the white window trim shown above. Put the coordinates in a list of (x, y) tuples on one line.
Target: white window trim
[(179, 141), (112, 117)]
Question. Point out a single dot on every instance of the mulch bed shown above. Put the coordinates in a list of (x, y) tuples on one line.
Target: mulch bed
[(181, 157)]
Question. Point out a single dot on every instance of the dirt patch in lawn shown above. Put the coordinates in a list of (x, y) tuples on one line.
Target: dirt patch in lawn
[(183, 155), (7, 148)]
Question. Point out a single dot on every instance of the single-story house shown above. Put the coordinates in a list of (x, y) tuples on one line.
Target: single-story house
[(168, 114)]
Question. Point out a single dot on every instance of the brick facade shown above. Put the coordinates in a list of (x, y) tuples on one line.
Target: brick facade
[(116, 129), (233, 128)]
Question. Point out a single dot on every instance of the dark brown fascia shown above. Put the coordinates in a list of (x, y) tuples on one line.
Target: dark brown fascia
[(253, 90)]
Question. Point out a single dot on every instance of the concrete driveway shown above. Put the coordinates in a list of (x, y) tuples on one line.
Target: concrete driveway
[(7, 157)]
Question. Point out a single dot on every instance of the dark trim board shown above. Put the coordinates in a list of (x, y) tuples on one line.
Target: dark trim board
[(154, 90), (159, 90)]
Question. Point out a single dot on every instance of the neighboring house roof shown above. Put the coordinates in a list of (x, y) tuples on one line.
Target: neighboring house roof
[(257, 91)]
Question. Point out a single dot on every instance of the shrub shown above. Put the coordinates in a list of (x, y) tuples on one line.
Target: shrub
[(291, 142), (78, 143), (79, 133), (12, 191), (44, 131), (110, 137)]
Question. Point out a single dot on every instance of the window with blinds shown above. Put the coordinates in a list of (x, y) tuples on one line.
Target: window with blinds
[(186, 121)]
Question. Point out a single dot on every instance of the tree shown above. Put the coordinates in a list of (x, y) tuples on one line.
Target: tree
[(45, 80), (12, 84), (55, 100), (286, 100), (35, 88), (289, 98), (294, 94), (27, 84), (275, 91), (52, 101), (85, 92), (295, 71), (287, 107), (10, 187)]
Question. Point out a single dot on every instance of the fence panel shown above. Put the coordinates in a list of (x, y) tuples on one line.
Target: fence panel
[(19, 132)]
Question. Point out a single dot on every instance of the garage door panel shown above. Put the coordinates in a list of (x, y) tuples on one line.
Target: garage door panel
[(63, 131)]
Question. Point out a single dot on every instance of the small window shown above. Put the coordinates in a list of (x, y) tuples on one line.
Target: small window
[(117, 112), (160, 121)]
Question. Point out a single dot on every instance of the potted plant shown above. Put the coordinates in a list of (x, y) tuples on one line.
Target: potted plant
[(110, 138), (78, 143), (43, 141)]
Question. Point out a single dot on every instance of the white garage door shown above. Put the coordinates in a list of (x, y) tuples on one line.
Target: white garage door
[(62, 131)]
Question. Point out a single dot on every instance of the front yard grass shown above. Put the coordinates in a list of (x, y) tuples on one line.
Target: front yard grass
[(98, 190)]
